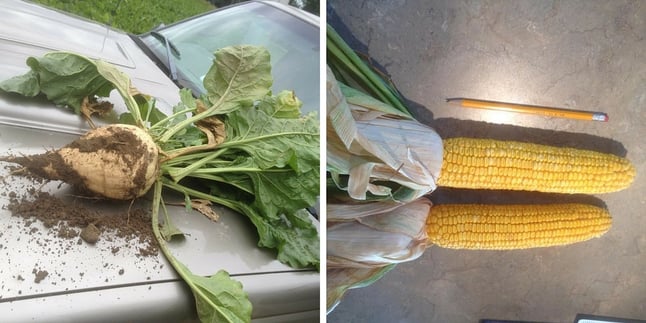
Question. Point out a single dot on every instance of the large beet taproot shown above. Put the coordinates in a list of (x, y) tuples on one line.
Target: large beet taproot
[(116, 161)]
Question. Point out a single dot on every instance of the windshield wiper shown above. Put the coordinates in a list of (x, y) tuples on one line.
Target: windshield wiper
[(169, 46)]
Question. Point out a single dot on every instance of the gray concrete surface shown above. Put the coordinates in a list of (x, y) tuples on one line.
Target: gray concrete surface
[(588, 55)]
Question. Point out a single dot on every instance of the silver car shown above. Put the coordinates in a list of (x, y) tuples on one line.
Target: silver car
[(84, 282)]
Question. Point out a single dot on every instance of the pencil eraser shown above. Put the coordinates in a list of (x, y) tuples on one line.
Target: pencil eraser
[(600, 117)]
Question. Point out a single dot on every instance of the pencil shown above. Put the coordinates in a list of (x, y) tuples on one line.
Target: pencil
[(533, 109)]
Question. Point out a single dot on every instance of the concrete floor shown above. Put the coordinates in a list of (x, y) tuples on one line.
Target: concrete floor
[(588, 55)]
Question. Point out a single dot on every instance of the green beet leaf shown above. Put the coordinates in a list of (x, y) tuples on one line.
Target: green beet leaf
[(26, 84), (274, 142), (64, 78), (283, 105), (284, 154), (293, 235), (276, 193), (219, 298), (239, 74), (273, 191)]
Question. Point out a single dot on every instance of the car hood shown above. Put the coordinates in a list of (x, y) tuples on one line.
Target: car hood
[(52, 30), (32, 30)]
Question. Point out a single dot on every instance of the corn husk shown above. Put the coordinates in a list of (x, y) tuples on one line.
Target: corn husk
[(340, 280), (369, 143), (380, 163), (380, 237), (352, 210)]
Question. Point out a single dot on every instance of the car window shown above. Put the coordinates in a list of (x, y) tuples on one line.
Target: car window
[(292, 42)]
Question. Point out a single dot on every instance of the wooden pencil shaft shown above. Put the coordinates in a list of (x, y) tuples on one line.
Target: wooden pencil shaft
[(523, 108)]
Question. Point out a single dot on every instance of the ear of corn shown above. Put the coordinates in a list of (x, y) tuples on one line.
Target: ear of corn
[(381, 236), (509, 165), (502, 227)]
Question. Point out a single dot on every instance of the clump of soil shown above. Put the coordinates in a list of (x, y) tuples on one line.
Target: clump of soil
[(90, 234), (39, 275)]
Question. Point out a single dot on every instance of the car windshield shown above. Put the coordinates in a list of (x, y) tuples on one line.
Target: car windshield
[(293, 44)]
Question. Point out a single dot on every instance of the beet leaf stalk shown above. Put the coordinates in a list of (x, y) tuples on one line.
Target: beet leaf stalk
[(240, 146)]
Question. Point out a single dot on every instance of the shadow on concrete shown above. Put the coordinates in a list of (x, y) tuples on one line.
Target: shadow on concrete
[(450, 127), (362, 51), (464, 196), (342, 29)]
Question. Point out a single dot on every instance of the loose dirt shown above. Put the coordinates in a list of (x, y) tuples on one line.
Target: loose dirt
[(73, 220)]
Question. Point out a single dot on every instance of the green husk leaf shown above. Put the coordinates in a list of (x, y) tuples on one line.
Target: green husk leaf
[(360, 99), (353, 71)]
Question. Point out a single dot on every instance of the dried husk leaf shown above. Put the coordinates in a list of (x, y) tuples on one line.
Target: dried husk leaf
[(339, 117), (370, 144), (351, 210), (378, 239)]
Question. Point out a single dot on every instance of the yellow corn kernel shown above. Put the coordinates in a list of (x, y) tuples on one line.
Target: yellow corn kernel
[(517, 226), (510, 165)]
